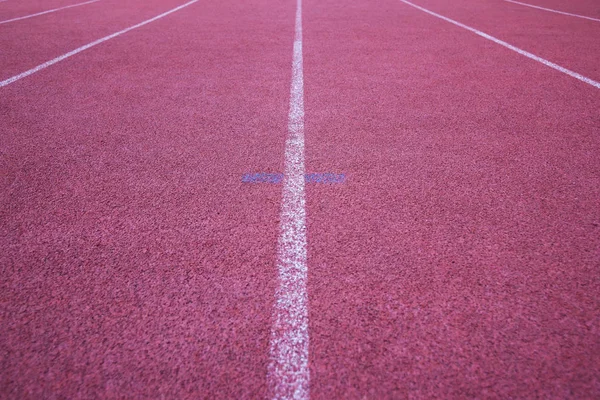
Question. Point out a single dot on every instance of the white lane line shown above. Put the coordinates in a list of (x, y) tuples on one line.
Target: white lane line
[(87, 46), (47, 12), (288, 374), (554, 11), (510, 46)]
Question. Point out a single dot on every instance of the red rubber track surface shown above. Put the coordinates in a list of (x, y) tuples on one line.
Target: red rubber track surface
[(460, 259), (570, 42), (28, 43), (588, 8), (19, 8), (135, 264)]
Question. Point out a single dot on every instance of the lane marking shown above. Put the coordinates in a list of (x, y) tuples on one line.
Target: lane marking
[(510, 46), (262, 177), (47, 12), (269, 177), (288, 373), (325, 178), (554, 11), (87, 46)]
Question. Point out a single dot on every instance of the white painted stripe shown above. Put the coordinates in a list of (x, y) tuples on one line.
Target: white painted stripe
[(87, 46), (47, 12), (554, 11), (288, 374), (510, 46)]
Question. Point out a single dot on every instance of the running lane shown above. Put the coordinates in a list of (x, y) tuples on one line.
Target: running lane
[(588, 8), (135, 263), (28, 43), (17, 8), (460, 259), (572, 43)]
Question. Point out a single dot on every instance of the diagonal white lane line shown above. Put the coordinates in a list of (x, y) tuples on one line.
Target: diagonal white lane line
[(554, 11), (288, 374), (510, 46), (47, 12), (87, 46)]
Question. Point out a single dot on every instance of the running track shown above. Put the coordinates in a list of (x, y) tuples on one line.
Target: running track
[(459, 259)]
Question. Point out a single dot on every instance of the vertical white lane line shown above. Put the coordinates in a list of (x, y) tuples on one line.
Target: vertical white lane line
[(288, 374)]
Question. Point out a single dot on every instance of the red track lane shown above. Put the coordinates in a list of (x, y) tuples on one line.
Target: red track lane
[(572, 43), (28, 43), (135, 263), (461, 258), (19, 8), (588, 8)]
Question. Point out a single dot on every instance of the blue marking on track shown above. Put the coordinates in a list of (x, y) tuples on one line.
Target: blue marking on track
[(325, 178), (265, 177), (262, 177)]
